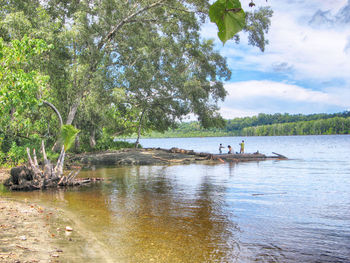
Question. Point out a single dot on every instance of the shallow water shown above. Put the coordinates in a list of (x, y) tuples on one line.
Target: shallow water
[(272, 211)]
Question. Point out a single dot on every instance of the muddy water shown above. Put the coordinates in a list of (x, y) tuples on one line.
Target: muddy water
[(272, 211)]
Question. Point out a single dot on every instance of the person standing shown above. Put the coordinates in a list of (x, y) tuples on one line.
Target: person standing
[(220, 148), (242, 147)]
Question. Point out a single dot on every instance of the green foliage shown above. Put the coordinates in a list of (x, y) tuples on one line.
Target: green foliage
[(267, 125), (257, 25), (20, 85), (336, 125), (108, 142), (2, 158), (68, 135), (52, 156), (228, 16), (16, 153), (22, 88)]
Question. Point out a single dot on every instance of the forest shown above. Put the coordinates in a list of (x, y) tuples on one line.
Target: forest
[(268, 125), (80, 73)]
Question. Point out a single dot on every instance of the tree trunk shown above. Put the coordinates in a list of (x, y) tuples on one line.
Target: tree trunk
[(77, 143), (139, 129), (92, 138), (72, 111)]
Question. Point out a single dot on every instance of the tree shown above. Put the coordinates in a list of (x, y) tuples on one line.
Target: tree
[(22, 89), (97, 42), (168, 80)]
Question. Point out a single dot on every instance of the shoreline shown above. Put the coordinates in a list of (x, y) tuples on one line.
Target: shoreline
[(152, 156)]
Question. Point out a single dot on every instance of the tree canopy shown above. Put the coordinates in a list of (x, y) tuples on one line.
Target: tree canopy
[(113, 67)]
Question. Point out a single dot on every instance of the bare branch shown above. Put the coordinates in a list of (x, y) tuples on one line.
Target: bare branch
[(30, 158), (35, 159), (59, 166), (37, 172), (44, 153), (71, 177)]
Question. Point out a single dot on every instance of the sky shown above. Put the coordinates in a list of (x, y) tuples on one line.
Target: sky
[(304, 69)]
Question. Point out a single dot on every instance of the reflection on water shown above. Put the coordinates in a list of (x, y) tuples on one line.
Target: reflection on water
[(272, 211), (160, 220)]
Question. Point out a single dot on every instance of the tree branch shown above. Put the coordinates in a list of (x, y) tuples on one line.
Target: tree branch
[(234, 10), (126, 20), (55, 110)]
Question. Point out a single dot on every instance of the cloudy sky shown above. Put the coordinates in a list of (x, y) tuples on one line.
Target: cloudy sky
[(304, 69)]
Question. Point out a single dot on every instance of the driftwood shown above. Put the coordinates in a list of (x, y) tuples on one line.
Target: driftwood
[(280, 155), (33, 177)]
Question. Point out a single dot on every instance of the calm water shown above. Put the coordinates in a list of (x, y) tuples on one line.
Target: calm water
[(272, 211)]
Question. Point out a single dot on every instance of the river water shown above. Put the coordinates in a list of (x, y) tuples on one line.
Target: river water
[(297, 210)]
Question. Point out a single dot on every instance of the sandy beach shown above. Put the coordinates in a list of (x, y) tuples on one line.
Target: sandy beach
[(28, 231)]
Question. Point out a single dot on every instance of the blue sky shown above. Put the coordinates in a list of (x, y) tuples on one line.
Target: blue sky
[(304, 69)]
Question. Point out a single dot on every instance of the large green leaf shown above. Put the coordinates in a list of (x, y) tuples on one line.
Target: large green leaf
[(68, 134), (229, 17)]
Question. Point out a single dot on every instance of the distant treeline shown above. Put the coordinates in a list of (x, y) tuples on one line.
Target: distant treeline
[(269, 125)]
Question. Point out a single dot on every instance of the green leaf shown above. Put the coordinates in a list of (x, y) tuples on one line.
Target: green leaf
[(229, 17), (68, 134)]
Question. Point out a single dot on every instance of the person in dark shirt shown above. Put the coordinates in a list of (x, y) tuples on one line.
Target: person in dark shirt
[(220, 148)]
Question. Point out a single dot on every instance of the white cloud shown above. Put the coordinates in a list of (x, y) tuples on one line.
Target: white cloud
[(313, 53), (249, 98), (298, 53), (231, 113), (282, 91)]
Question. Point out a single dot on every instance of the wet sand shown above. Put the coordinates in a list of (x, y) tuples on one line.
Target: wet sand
[(25, 233), (28, 231)]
